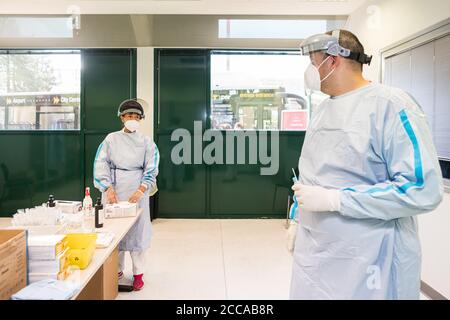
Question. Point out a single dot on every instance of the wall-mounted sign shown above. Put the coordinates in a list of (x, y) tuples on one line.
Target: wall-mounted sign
[(40, 100), (294, 119)]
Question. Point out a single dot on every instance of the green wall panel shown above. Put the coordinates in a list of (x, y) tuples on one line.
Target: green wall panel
[(238, 189), (36, 165), (183, 77), (182, 190), (91, 143), (108, 80)]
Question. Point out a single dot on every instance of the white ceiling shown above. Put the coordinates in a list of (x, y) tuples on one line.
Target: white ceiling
[(215, 7)]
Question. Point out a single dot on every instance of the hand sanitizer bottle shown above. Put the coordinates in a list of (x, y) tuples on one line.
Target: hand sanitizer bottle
[(89, 218)]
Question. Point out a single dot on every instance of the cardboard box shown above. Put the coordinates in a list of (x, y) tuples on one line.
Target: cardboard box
[(13, 262)]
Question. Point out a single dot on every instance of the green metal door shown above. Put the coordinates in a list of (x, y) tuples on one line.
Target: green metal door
[(183, 95), (108, 79), (181, 98)]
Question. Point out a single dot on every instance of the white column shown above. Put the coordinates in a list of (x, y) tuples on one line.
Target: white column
[(145, 86)]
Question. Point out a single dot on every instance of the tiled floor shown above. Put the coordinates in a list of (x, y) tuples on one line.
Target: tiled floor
[(216, 259), (423, 297)]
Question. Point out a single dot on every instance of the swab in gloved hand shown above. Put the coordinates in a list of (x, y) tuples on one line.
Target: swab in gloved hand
[(293, 225), (317, 199)]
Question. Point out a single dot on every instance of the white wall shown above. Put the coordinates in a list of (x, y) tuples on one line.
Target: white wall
[(434, 230), (145, 86), (380, 23)]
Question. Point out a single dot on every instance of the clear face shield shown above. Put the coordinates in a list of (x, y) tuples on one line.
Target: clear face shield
[(133, 106), (323, 43), (329, 44)]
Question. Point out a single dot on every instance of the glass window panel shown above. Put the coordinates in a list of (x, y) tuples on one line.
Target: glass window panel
[(274, 29), (40, 90), (2, 118), (36, 27), (260, 91)]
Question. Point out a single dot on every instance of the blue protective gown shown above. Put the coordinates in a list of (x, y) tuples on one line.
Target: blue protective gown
[(374, 145), (127, 160)]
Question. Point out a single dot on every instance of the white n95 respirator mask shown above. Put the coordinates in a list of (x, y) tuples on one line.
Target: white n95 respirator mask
[(132, 125), (312, 76)]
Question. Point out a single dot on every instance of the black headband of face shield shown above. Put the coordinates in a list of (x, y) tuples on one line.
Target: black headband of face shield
[(360, 57), (356, 56)]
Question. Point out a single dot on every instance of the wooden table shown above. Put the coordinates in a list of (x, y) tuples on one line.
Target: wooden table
[(99, 281)]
